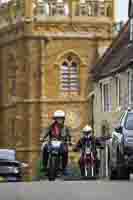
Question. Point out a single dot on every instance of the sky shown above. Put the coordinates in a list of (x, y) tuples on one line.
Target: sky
[(122, 10)]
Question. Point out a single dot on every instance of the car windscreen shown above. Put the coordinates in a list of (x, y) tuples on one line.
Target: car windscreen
[(129, 121)]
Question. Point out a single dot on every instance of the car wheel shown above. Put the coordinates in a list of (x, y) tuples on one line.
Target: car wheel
[(126, 174), (123, 173), (112, 173)]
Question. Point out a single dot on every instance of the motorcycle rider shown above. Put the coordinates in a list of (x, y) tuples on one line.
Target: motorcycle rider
[(59, 131), (86, 138)]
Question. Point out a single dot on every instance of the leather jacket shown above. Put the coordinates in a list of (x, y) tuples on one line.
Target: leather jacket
[(63, 136), (83, 140)]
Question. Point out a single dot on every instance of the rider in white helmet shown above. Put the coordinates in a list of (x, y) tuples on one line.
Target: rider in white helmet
[(59, 116), (85, 138), (87, 131), (57, 130)]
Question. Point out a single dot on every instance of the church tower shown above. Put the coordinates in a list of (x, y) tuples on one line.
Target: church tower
[(47, 48)]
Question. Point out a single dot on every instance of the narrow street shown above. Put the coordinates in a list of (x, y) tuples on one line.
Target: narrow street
[(59, 190), (66, 79)]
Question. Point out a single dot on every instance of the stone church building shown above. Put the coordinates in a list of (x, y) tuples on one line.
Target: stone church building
[(47, 48)]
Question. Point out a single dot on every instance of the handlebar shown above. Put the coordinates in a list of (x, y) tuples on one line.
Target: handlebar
[(67, 142), (43, 140)]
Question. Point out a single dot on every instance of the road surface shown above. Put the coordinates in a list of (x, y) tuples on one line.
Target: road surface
[(67, 190)]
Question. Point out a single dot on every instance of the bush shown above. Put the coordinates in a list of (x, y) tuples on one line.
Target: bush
[(40, 171)]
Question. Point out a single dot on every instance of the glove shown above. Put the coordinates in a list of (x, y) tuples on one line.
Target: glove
[(75, 149), (70, 144)]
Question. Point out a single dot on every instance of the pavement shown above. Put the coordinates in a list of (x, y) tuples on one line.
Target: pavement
[(67, 190)]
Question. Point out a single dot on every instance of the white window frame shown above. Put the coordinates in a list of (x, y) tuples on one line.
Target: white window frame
[(118, 93), (130, 77), (131, 29), (104, 82)]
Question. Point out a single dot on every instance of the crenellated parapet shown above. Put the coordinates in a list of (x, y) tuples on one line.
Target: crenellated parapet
[(14, 11), (76, 8)]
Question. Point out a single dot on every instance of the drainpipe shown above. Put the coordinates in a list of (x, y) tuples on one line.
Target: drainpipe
[(90, 98), (92, 104)]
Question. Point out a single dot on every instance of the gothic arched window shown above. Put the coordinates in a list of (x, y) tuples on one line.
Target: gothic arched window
[(69, 76)]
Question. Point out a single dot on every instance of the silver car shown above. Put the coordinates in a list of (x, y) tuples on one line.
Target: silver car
[(120, 156), (10, 168)]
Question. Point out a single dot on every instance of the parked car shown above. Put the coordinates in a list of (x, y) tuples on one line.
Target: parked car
[(10, 168), (120, 148)]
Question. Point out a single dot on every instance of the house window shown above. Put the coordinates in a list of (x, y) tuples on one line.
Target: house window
[(130, 88), (69, 76), (106, 103), (131, 29), (118, 91)]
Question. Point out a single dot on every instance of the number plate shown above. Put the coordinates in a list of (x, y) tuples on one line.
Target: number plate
[(56, 144)]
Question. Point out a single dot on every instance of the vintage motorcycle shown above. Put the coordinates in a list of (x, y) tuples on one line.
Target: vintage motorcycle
[(54, 166), (88, 161)]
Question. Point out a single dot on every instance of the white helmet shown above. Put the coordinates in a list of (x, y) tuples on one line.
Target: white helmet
[(59, 113), (87, 128)]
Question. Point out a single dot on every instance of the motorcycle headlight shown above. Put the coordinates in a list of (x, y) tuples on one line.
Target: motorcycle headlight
[(126, 157)]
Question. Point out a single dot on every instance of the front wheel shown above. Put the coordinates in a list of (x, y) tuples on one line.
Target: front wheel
[(52, 170), (122, 171)]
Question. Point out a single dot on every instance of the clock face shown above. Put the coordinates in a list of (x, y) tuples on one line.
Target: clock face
[(73, 119)]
